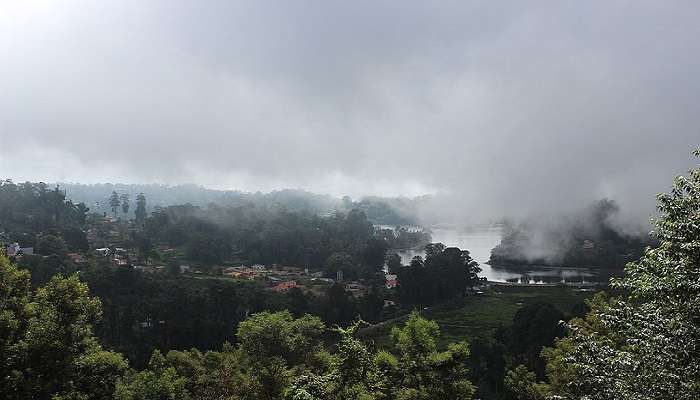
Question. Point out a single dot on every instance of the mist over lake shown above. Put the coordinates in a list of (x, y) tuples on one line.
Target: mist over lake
[(480, 240)]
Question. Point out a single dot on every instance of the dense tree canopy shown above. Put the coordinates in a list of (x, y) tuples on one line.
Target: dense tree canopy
[(445, 273), (646, 344)]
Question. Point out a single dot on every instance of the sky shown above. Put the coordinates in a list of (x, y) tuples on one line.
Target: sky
[(502, 107)]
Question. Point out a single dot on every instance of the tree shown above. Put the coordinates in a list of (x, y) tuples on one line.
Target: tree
[(418, 372), (14, 297), (522, 384), (48, 346), (393, 262), (114, 203), (646, 344), (125, 204), (446, 272), (273, 342), (534, 327), (48, 244), (340, 261), (427, 373), (140, 212), (159, 381)]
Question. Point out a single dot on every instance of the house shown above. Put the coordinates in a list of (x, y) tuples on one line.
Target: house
[(103, 251), (250, 275), (284, 286), (356, 288), (77, 258), (12, 250), (325, 280), (391, 281), (185, 269), (120, 262)]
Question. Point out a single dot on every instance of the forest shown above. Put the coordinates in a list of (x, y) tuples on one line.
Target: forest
[(96, 329)]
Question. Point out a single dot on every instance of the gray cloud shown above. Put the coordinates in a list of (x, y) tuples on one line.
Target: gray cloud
[(508, 107)]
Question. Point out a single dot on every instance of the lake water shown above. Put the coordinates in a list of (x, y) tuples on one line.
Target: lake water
[(480, 240)]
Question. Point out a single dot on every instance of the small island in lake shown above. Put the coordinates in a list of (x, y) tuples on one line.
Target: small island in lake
[(591, 238)]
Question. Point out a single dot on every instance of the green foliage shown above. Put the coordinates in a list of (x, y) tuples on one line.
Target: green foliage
[(47, 340), (114, 203), (447, 272), (522, 383), (47, 244), (419, 371), (645, 345), (126, 204), (275, 341), (29, 209), (140, 211), (158, 382)]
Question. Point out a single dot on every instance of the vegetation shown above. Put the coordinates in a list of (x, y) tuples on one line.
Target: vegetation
[(73, 328), (447, 272), (645, 344), (587, 239), (50, 351)]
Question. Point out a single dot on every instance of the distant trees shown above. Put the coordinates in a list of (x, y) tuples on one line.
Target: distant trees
[(588, 238), (340, 261), (28, 209), (260, 235), (114, 203), (140, 211), (126, 204), (48, 244), (445, 273)]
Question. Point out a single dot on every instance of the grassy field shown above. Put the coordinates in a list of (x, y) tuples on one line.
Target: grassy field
[(479, 315)]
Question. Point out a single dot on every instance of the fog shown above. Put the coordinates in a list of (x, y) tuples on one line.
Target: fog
[(501, 108)]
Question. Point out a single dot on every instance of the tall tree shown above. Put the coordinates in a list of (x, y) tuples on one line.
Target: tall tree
[(114, 203), (140, 211), (125, 204)]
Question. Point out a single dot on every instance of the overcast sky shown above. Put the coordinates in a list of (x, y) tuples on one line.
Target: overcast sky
[(519, 105)]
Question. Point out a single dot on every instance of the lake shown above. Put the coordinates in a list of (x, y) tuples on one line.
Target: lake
[(480, 240)]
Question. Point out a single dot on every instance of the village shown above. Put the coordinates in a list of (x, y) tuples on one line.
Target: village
[(110, 247)]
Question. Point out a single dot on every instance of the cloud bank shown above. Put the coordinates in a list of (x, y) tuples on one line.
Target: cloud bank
[(503, 107)]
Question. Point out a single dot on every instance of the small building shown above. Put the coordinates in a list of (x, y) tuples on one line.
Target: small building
[(103, 251), (12, 250), (284, 286), (391, 281), (77, 258)]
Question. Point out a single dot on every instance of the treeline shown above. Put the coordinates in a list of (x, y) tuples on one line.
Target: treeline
[(50, 352), (404, 238), (260, 235), (30, 209), (142, 312), (590, 238), (446, 272), (380, 210)]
